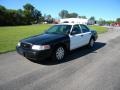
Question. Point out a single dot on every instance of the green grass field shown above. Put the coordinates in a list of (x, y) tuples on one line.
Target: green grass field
[(9, 36), (99, 29)]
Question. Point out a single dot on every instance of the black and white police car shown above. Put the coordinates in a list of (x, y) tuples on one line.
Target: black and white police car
[(57, 41)]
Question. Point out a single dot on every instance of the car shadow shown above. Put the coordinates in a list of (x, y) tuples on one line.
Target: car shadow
[(74, 54)]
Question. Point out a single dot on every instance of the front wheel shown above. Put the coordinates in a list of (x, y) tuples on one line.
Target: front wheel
[(59, 53)]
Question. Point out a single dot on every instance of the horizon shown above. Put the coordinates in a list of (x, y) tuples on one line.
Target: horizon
[(105, 9)]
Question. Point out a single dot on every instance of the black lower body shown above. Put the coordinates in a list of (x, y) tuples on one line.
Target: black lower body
[(34, 55)]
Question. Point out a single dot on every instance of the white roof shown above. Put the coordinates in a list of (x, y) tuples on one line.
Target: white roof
[(67, 23), (74, 20), (70, 24)]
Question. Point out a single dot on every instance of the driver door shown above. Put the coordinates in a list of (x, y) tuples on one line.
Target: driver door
[(76, 37)]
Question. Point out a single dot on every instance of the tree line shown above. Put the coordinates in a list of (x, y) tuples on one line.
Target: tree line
[(65, 14), (30, 15)]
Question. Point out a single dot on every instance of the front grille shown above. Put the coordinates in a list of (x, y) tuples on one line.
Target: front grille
[(26, 45)]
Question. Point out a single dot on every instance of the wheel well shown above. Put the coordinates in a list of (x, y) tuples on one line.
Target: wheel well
[(63, 45), (92, 37)]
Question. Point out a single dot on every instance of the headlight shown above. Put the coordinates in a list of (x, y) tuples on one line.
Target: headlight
[(40, 47), (18, 44)]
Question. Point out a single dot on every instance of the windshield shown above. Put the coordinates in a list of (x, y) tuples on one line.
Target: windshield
[(59, 29)]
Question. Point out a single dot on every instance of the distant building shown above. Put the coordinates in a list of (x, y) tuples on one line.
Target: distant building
[(56, 21), (91, 22), (74, 20)]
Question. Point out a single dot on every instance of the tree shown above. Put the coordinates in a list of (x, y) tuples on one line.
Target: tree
[(20, 17), (2, 15), (20, 12), (84, 17), (63, 13), (101, 21), (29, 13), (37, 15), (41, 19), (28, 7), (72, 15), (109, 22), (118, 20), (32, 15), (48, 18), (2, 8), (91, 20)]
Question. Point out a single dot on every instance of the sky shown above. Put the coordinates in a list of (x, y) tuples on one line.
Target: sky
[(106, 9)]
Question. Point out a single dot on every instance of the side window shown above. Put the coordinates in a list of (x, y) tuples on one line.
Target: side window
[(76, 29), (84, 28)]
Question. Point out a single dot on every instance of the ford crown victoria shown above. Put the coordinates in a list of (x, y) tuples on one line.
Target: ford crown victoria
[(57, 41)]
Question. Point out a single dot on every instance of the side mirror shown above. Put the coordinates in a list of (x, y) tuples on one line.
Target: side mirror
[(73, 32)]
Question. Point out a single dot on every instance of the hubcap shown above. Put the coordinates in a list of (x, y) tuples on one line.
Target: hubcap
[(60, 53), (91, 42)]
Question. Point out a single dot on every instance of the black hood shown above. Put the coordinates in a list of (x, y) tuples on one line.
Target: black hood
[(43, 38)]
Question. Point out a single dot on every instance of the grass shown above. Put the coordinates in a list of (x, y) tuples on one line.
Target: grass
[(9, 36), (99, 29)]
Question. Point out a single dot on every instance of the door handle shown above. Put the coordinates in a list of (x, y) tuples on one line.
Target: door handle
[(90, 33), (82, 35)]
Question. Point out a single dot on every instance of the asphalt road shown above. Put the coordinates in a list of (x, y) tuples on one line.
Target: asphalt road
[(84, 69)]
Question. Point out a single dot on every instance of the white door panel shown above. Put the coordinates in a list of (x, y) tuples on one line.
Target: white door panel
[(76, 41), (86, 38), (86, 33), (79, 40)]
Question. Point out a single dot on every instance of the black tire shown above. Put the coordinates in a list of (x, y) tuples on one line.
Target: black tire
[(91, 43), (59, 54)]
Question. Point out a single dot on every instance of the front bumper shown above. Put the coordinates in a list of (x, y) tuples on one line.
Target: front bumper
[(34, 55)]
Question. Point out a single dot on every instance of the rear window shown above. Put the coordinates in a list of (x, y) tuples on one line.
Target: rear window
[(84, 28)]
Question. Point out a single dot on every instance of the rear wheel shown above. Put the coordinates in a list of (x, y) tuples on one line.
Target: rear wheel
[(91, 42)]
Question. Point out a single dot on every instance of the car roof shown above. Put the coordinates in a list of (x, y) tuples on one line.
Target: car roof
[(69, 24)]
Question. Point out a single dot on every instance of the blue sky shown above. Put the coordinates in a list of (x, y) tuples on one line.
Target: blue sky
[(106, 9)]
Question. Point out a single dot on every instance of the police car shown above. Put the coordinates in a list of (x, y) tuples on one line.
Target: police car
[(57, 41)]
